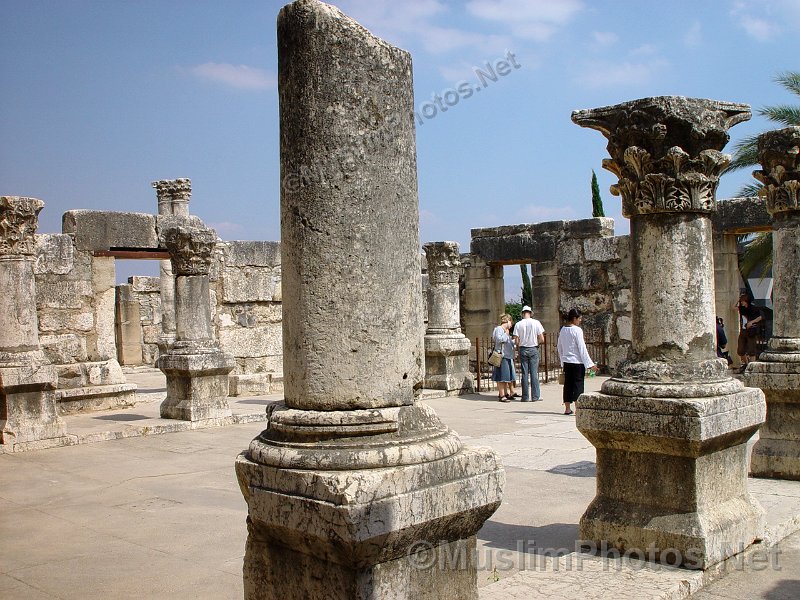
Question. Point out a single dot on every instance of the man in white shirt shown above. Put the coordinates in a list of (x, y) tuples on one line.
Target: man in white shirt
[(528, 334)]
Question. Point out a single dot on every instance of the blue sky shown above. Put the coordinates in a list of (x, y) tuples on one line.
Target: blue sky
[(99, 98)]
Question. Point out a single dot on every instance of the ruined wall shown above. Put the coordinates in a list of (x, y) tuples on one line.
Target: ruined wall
[(246, 300), (75, 307), (594, 275), (574, 264)]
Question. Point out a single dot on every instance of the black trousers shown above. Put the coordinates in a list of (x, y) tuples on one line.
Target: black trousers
[(573, 381)]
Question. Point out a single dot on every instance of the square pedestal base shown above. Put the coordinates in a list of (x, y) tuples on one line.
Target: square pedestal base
[(777, 453), (404, 532), (197, 386), (672, 475)]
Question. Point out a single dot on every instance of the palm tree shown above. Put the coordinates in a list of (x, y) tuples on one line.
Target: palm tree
[(758, 251)]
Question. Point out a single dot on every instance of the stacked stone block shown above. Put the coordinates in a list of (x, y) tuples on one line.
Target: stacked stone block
[(246, 288)]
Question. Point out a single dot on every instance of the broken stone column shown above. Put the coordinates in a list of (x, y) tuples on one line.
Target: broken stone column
[(173, 199), (777, 371), (355, 490), (671, 429), (446, 348), (27, 379), (195, 366)]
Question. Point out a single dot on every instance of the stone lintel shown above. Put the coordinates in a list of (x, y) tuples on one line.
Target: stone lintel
[(537, 242), (741, 215), (95, 230)]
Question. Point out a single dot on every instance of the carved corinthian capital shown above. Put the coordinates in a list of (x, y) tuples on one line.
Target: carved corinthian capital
[(18, 222), (168, 190), (444, 262), (190, 248), (779, 155), (665, 150)]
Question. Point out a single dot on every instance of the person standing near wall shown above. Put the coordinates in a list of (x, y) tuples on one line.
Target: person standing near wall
[(502, 342), (528, 334), (749, 318), (574, 358)]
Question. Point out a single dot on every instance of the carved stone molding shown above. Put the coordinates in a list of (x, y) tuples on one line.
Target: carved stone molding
[(665, 150), (18, 222), (173, 190), (444, 262), (779, 155), (190, 249)]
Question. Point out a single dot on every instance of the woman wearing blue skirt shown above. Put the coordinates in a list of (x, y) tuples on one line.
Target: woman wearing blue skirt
[(502, 342)]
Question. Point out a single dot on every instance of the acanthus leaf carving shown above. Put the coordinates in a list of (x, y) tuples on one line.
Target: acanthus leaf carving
[(18, 222)]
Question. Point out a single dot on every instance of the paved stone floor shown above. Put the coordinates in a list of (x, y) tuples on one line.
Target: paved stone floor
[(161, 516)]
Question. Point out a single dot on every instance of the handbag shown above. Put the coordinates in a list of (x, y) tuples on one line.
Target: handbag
[(561, 378), (495, 358)]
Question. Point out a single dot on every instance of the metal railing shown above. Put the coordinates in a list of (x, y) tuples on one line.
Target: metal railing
[(549, 363)]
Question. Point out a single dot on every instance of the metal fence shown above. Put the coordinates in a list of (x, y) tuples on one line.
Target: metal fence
[(549, 364)]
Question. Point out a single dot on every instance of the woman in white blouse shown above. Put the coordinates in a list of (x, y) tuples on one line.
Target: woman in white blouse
[(574, 358)]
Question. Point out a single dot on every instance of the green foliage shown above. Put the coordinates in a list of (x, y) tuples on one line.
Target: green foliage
[(597, 201), (527, 289), (745, 152), (756, 260), (515, 310)]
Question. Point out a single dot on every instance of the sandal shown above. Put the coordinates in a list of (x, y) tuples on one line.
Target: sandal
[(569, 412), (503, 399)]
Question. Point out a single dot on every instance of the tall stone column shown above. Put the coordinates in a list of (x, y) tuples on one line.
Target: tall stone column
[(27, 379), (354, 490), (446, 348), (777, 371), (671, 430), (195, 366), (173, 199)]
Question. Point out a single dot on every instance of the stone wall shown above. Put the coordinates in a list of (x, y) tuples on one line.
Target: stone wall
[(246, 299), (75, 307), (594, 275)]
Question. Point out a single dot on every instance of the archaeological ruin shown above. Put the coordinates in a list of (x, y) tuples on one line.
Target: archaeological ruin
[(354, 476)]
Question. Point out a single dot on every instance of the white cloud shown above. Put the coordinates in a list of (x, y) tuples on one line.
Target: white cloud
[(763, 20), (536, 20), (605, 38), (426, 217), (603, 73), (694, 35), (240, 77)]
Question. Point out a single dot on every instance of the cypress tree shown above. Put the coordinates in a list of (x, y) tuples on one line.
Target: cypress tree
[(597, 201)]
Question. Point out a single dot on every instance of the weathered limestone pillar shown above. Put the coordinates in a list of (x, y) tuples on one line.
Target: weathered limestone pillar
[(354, 490), (446, 348), (671, 430), (483, 299), (195, 366), (27, 379), (173, 199), (777, 371)]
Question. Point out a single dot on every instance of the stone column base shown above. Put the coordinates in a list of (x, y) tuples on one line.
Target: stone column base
[(197, 386), (777, 453), (27, 402), (447, 363), (383, 533), (672, 472)]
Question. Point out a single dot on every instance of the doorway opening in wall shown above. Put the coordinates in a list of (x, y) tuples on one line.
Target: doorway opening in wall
[(137, 308)]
